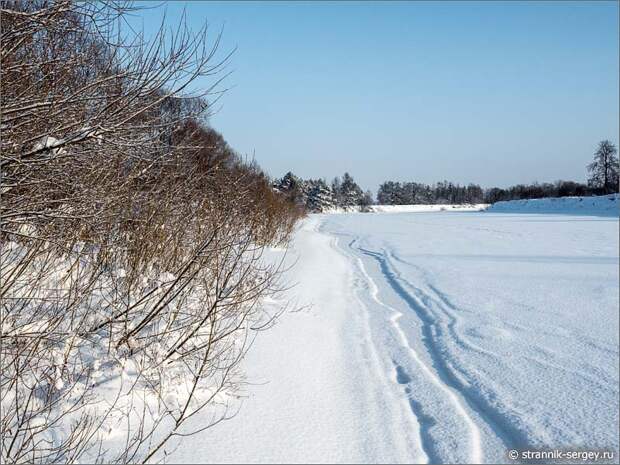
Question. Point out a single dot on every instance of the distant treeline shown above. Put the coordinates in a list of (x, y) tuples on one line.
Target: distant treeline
[(412, 193), (317, 195), (603, 179), (537, 191)]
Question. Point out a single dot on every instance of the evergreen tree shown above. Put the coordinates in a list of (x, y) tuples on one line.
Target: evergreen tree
[(337, 190), (293, 187), (350, 193), (366, 200), (320, 196)]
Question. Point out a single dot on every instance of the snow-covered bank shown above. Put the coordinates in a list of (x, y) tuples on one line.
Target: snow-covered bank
[(407, 208), (604, 205), (427, 208)]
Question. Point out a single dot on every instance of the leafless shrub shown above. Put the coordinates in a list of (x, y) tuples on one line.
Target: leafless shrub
[(132, 238)]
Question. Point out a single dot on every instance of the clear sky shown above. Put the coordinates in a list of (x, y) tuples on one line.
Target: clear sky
[(494, 93)]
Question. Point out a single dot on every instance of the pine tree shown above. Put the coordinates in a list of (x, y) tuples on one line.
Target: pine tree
[(320, 196), (293, 187), (350, 193), (385, 194), (336, 190), (366, 201)]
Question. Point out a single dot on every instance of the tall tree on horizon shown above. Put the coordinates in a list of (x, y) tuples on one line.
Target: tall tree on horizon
[(604, 169)]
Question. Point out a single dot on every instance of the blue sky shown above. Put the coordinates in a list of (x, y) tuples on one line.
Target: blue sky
[(494, 93)]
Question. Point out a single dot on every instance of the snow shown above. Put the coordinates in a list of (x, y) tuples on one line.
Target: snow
[(406, 208), (52, 143), (426, 208), (603, 205), (120, 385), (433, 337), (422, 336), (308, 399)]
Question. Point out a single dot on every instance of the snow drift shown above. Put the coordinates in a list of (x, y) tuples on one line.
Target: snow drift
[(405, 208), (603, 205), (426, 208)]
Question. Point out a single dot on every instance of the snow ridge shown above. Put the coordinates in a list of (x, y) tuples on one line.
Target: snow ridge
[(602, 205)]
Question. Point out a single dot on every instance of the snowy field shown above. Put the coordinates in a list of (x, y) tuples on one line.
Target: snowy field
[(434, 337)]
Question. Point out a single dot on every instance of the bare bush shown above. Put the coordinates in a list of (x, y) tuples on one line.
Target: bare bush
[(133, 238)]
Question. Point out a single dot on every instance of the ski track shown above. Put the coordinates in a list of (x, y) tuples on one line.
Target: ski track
[(403, 378), (511, 436), (438, 375), (417, 422), (443, 303), (465, 398)]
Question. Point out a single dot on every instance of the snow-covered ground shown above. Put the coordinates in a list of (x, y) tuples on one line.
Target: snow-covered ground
[(602, 205), (418, 208), (427, 208), (434, 337)]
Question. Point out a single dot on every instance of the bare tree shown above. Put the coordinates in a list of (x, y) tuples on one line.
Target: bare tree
[(604, 169)]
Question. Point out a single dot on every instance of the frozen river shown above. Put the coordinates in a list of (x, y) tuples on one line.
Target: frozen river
[(435, 337)]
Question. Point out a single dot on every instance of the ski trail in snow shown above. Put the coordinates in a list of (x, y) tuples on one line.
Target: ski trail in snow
[(425, 456), (510, 434), (475, 452), (442, 303), (412, 452)]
